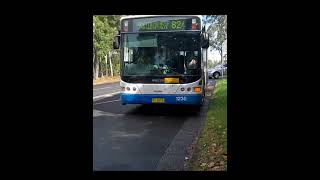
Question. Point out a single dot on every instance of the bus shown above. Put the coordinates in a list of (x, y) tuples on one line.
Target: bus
[(163, 59)]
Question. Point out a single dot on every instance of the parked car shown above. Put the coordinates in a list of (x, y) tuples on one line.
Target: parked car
[(217, 71)]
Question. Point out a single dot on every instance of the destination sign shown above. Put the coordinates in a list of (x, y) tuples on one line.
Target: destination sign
[(160, 24)]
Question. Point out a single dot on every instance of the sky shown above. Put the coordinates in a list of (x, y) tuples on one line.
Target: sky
[(213, 55)]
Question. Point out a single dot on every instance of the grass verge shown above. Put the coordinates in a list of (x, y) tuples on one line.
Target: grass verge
[(211, 150)]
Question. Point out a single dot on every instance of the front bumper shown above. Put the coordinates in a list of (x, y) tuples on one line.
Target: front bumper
[(194, 99)]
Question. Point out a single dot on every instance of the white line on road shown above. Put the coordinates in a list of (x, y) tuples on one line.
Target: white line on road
[(97, 113), (107, 95), (106, 102), (103, 88)]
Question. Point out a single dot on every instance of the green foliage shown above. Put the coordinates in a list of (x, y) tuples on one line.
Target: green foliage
[(212, 146), (104, 29), (217, 30)]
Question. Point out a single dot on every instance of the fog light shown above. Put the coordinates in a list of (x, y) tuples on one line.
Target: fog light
[(128, 88), (134, 88), (123, 88), (182, 89), (188, 89)]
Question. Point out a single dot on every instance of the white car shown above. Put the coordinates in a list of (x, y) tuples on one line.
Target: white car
[(217, 71)]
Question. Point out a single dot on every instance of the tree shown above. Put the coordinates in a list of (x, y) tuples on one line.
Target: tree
[(100, 40), (217, 30), (104, 29), (110, 63)]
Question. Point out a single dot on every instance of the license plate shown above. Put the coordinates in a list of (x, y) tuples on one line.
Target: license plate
[(157, 100)]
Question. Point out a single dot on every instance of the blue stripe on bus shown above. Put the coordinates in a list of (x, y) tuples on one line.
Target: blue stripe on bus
[(169, 98)]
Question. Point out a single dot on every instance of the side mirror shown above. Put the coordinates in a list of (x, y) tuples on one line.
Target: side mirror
[(204, 40), (116, 42)]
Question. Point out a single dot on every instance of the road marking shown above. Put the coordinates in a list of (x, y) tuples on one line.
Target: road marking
[(97, 113), (103, 88), (107, 95), (106, 102)]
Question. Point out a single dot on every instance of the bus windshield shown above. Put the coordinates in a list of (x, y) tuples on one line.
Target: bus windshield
[(155, 54)]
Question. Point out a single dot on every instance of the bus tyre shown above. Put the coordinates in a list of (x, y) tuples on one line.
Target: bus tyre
[(203, 95), (201, 102), (216, 75)]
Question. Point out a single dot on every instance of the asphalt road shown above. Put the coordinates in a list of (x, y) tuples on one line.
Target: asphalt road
[(100, 90), (141, 137)]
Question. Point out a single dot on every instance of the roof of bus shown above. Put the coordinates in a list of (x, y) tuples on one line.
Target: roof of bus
[(142, 16)]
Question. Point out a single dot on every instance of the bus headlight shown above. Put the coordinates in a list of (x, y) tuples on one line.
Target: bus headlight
[(128, 88)]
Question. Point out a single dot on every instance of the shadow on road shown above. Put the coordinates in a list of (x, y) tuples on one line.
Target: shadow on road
[(165, 110)]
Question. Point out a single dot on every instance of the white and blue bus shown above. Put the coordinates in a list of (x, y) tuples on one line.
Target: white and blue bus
[(162, 59)]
